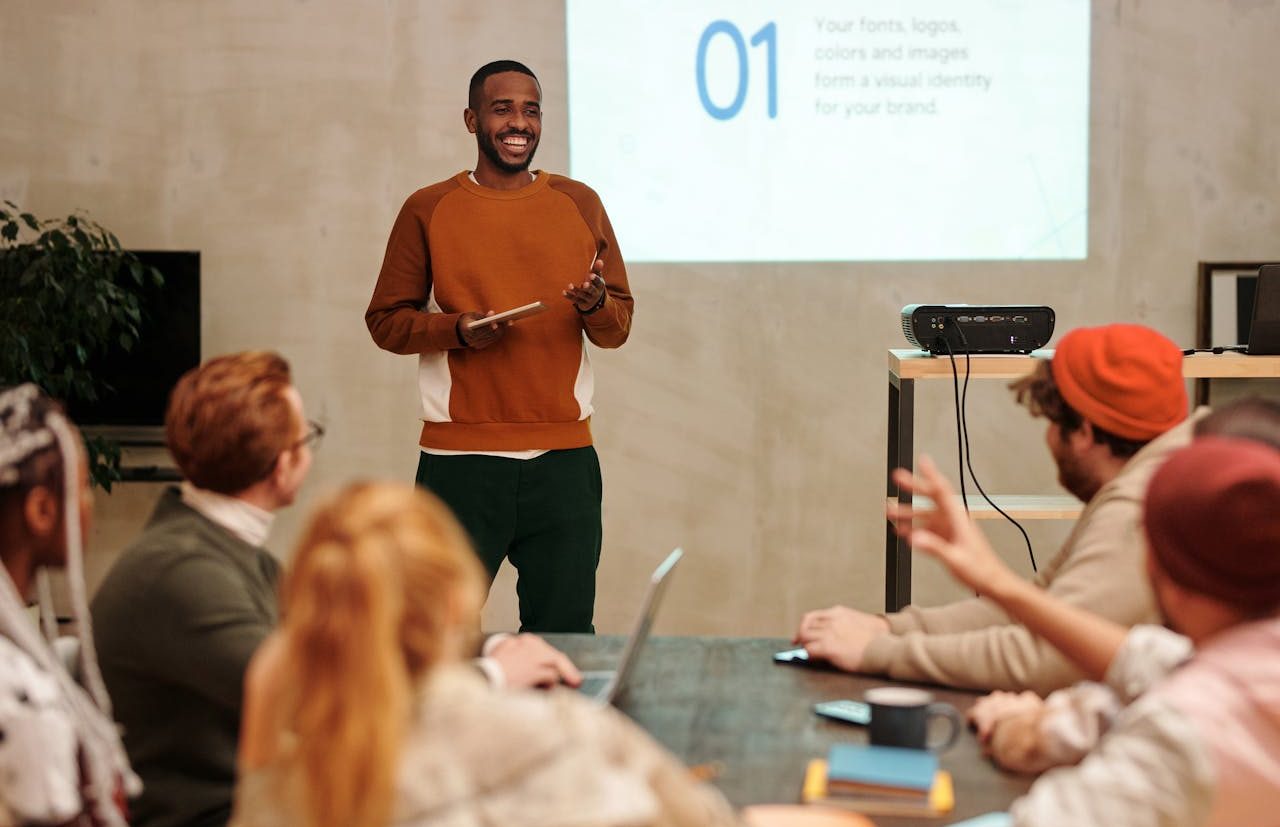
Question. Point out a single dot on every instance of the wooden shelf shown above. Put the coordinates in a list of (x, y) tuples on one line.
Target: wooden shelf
[(1230, 366), (1017, 506), (919, 364), (906, 366)]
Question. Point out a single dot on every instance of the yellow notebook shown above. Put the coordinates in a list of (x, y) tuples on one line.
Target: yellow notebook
[(941, 798)]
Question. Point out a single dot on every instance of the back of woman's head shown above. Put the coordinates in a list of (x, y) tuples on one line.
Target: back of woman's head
[(382, 586), (390, 556)]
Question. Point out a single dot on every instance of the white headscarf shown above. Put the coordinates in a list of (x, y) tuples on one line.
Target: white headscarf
[(22, 435)]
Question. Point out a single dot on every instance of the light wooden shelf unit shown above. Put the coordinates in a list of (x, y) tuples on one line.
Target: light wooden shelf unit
[(908, 366)]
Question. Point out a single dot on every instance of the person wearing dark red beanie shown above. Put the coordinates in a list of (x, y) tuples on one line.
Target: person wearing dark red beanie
[(1198, 739), (1116, 406)]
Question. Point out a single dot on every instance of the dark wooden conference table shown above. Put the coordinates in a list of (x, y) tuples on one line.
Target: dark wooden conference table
[(723, 699)]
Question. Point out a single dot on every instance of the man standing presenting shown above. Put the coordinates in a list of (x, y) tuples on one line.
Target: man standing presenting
[(506, 436), (1116, 404)]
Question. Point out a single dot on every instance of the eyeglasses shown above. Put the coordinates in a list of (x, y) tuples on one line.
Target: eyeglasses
[(315, 432)]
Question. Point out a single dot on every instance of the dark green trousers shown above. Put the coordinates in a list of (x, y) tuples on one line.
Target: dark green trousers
[(542, 514)]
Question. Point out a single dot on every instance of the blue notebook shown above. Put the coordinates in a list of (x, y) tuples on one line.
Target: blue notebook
[(884, 769)]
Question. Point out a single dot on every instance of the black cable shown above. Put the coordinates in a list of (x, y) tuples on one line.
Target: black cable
[(1219, 349), (967, 455), (955, 386)]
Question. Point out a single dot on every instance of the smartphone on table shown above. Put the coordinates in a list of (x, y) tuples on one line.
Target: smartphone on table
[(850, 712)]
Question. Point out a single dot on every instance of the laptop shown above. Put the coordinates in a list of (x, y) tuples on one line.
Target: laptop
[(606, 687), (1264, 328)]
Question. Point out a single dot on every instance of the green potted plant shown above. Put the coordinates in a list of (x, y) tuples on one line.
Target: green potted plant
[(67, 291)]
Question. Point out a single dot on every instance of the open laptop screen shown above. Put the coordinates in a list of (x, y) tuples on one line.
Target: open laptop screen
[(607, 687)]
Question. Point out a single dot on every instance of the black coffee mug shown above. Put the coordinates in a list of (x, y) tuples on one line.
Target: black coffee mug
[(900, 717)]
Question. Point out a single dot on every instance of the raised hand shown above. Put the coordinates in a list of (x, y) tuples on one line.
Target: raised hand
[(946, 532), (587, 295)]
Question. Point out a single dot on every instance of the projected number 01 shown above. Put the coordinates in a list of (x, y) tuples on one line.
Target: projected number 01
[(768, 35)]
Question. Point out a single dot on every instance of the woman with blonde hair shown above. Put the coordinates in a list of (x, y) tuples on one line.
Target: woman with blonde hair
[(361, 712)]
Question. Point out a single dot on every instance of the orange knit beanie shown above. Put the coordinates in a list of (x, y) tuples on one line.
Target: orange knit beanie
[(1124, 378)]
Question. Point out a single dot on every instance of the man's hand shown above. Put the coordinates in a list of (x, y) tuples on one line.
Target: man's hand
[(946, 532), (528, 661), (482, 336), (991, 710), (587, 295), (840, 635)]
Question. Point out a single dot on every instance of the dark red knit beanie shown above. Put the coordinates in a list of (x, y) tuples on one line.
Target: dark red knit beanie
[(1124, 378), (1212, 517)]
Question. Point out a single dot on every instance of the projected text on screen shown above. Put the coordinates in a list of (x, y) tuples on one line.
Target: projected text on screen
[(832, 130)]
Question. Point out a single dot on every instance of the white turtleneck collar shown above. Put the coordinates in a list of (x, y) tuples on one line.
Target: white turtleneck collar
[(244, 520)]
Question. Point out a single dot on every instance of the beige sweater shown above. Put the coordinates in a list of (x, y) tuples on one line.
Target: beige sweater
[(973, 644), (475, 756)]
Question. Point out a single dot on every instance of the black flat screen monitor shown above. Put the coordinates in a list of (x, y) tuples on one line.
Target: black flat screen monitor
[(1264, 326), (168, 346)]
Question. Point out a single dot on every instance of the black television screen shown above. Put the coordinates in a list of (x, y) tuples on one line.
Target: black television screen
[(168, 346)]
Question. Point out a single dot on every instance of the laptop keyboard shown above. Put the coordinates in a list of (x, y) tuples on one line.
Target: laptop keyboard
[(593, 685)]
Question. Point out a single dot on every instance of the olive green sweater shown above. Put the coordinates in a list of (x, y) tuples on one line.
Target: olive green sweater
[(175, 623)]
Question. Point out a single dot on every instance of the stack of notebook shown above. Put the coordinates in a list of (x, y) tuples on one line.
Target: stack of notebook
[(879, 781)]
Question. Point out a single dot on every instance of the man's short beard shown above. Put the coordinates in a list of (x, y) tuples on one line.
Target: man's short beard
[(1073, 476), (491, 152)]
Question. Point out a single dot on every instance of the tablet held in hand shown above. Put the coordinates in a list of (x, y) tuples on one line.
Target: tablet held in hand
[(514, 314)]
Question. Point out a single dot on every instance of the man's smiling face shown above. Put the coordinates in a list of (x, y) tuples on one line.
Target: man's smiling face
[(507, 121)]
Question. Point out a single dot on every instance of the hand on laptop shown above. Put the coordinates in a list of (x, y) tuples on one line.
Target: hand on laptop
[(529, 661), (839, 635)]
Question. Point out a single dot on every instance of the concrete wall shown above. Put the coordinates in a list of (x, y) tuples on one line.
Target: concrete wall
[(745, 419)]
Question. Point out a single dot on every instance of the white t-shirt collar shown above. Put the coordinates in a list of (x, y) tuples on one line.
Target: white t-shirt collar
[(244, 520)]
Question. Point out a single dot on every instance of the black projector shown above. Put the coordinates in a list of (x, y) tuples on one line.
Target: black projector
[(977, 328)]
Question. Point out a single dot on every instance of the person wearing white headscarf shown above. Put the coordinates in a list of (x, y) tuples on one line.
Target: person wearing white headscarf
[(61, 759)]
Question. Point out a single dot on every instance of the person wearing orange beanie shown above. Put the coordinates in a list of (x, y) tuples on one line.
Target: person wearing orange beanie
[(1196, 739), (1116, 406), (1123, 378)]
